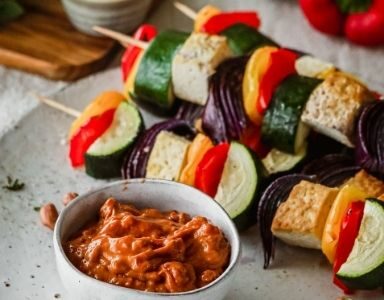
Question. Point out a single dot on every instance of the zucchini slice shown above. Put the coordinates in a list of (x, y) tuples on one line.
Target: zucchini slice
[(282, 127), (364, 268), (239, 185), (105, 156), (243, 39), (277, 161), (153, 80)]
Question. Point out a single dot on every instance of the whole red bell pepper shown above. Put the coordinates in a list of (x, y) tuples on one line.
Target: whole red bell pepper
[(324, 15), (87, 134), (348, 232), (145, 32), (282, 64), (361, 21), (222, 21), (367, 27), (210, 169)]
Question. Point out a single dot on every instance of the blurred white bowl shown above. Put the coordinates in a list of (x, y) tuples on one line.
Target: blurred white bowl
[(120, 15), (160, 194)]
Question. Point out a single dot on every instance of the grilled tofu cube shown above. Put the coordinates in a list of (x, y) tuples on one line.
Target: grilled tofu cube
[(334, 106), (167, 157), (300, 220), (367, 183), (195, 63)]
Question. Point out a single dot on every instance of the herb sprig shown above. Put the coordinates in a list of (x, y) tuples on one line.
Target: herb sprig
[(13, 185)]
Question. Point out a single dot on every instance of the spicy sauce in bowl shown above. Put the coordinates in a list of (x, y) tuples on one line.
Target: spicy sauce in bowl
[(150, 250), (161, 239)]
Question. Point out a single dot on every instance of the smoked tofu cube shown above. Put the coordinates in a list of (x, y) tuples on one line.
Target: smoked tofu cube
[(300, 220), (167, 157), (195, 63), (334, 106), (367, 183)]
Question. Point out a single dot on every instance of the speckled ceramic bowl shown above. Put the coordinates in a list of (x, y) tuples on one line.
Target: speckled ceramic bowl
[(160, 194), (119, 15)]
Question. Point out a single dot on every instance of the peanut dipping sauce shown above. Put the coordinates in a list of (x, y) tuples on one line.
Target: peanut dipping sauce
[(149, 250)]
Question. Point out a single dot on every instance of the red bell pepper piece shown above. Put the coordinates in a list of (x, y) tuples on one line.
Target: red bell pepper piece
[(222, 21), (145, 33), (377, 96), (87, 134), (251, 138), (282, 64), (324, 15), (367, 27), (348, 232), (210, 168)]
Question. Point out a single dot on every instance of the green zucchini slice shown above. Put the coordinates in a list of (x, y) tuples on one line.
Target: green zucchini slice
[(364, 268), (277, 161), (239, 185), (153, 80), (105, 156), (282, 127), (243, 39)]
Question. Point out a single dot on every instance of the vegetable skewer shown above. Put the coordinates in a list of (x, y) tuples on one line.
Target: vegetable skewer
[(182, 53), (102, 134), (331, 223)]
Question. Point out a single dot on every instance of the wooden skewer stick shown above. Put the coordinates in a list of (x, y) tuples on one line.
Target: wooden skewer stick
[(125, 40), (52, 103), (186, 10)]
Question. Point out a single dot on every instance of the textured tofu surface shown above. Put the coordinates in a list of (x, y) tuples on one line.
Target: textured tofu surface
[(300, 220), (195, 62), (334, 106), (167, 156), (367, 183)]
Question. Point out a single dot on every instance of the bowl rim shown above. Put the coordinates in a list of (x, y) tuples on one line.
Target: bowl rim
[(58, 249)]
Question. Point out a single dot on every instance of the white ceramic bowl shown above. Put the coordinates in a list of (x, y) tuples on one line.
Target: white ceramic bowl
[(119, 15), (160, 194)]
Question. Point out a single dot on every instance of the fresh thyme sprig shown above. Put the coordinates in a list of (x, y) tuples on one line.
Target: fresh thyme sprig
[(13, 185)]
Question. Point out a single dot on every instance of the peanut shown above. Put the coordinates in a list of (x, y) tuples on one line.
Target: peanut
[(69, 197), (48, 215)]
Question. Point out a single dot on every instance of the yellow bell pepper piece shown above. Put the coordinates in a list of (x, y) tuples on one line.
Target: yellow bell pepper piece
[(326, 73), (105, 101), (254, 72), (129, 85), (349, 193), (199, 146), (204, 15)]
